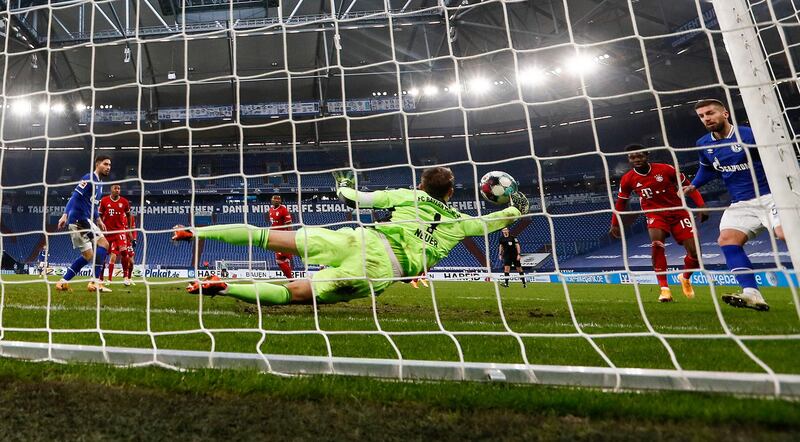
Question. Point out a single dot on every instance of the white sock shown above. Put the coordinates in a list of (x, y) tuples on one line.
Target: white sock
[(753, 293)]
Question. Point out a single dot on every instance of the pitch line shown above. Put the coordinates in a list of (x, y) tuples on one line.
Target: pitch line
[(64, 308)]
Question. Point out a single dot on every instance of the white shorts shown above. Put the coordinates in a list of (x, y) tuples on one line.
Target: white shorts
[(83, 233), (751, 217)]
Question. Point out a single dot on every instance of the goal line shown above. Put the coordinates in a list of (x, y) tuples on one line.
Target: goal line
[(598, 377)]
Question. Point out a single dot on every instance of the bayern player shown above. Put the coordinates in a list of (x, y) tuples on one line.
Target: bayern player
[(657, 187), (127, 272), (752, 208), (79, 215), (115, 210), (281, 219)]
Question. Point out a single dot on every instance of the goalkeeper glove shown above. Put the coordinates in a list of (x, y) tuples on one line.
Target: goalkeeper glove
[(520, 201), (344, 179)]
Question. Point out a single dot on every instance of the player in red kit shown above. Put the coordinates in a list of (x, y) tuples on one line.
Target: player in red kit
[(115, 211), (281, 219), (657, 187), (127, 270)]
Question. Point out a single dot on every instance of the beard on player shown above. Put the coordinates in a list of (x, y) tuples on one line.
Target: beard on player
[(715, 126)]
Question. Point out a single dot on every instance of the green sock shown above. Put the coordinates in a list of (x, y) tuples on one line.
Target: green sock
[(268, 294), (236, 234)]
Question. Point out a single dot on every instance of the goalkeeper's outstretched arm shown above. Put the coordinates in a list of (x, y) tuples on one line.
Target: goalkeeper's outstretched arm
[(493, 222), (381, 199)]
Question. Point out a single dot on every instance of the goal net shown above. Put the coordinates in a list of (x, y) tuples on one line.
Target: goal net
[(210, 110), (240, 265)]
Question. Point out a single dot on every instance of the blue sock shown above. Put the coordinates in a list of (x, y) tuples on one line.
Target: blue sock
[(737, 259), (99, 261), (76, 267)]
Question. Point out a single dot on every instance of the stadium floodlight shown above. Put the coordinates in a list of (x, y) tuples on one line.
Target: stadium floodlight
[(479, 85), (413, 92), (581, 64), (21, 107), (80, 107), (58, 108), (43, 107), (532, 76), (430, 90)]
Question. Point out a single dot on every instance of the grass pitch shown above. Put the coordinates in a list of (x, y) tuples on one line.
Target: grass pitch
[(44, 401), (540, 313)]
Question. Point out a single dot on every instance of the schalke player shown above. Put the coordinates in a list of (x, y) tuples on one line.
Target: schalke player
[(657, 187), (752, 208), (81, 210), (41, 265), (422, 231)]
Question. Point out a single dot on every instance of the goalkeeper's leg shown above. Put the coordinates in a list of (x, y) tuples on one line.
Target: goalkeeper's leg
[(296, 292), (357, 261), (267, 294), (242, 235), (258, 293)]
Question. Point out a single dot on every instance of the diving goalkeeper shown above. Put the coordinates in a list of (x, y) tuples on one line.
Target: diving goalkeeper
[(422, 231)]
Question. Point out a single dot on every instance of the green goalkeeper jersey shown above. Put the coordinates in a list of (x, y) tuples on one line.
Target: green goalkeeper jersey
[(423, 230)]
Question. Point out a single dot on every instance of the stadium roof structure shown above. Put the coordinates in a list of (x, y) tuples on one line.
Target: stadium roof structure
[(149, 55)]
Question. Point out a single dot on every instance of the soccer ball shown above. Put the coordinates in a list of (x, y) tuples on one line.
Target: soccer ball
[(497, 187)]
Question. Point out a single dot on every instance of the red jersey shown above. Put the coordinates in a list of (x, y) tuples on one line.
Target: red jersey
[(657, 189), (133, 226), (280, 216), (113, 213)]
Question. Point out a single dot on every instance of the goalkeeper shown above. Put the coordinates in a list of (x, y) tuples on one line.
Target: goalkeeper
[(422, 231)]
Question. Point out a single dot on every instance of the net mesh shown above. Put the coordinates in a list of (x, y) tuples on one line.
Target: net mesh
[(210, 107)]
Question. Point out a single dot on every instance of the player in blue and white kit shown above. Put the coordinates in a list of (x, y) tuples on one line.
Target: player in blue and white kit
[(81, 211), (752, 208), (41, 262)]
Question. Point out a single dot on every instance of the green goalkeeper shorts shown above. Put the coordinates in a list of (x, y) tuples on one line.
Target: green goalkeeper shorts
[(357, 262)]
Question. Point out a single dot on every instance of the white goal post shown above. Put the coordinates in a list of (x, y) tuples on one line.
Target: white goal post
[(239, 265), (504, 83), (776, 146)]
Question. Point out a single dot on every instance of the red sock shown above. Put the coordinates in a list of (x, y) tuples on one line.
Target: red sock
[(129, 269), (286, 268), (689, 263), (110, 270), (660, 263)]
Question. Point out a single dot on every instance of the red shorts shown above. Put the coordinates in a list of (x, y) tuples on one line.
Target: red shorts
[(118, 243), (280, 257), (678, 223)]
